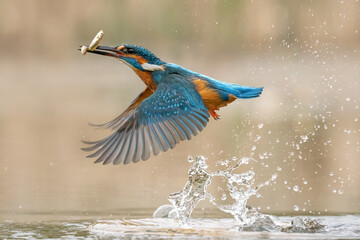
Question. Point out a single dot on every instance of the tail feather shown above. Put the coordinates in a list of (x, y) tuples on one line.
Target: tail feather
[(247, 92), (238, 91)]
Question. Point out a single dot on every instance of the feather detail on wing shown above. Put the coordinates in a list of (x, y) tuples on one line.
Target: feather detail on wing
[(153, 123)]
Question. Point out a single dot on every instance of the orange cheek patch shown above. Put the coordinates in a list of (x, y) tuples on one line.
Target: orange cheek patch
[(140, 59)]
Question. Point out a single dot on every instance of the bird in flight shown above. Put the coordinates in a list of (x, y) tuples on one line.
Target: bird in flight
[(175, 105)]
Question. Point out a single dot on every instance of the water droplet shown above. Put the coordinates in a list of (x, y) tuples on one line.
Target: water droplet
[(304, 138), (260, 125), (334, 191), (296, 208), (305, 182), (278, 168), (274, 176), (296, 188), (223, 197), (340, 191), (331, 174), (190, 158)]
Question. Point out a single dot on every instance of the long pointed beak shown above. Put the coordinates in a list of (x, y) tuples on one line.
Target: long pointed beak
[(106, 51)]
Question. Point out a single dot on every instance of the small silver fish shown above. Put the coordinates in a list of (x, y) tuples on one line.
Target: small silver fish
[(94, 44), (96, 41)]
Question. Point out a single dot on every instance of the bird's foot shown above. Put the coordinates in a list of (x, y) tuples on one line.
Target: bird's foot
[(214, 114)]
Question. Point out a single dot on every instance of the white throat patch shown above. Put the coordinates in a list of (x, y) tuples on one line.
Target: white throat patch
[(152, 67)]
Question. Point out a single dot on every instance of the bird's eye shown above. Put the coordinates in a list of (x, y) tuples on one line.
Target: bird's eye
[(130, 50)]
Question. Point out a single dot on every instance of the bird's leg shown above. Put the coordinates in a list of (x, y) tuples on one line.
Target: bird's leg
[(214, 114)]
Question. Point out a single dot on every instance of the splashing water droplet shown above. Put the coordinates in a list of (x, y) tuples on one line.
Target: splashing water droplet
[(304, 138), (240, 188), (190, 158), (274, 176), (296, 188)]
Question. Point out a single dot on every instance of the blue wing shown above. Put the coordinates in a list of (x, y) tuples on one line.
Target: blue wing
[(173, 113)]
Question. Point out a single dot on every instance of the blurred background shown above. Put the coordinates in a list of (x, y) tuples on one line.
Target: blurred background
[(305, 127)]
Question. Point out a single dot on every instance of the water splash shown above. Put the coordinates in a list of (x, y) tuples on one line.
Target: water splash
[(195, 190), (174, 220), (240, 187)]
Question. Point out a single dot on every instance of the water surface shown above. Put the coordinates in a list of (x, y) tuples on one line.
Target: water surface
[(144, 227)]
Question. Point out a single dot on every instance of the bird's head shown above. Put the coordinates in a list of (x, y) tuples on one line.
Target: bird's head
[(135, 56)]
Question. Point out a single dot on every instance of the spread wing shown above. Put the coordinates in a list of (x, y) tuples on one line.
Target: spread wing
[(153, 123)]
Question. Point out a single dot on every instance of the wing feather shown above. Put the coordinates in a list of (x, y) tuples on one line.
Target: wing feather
[(163, 141), (110, 157), (107, 150), (102, 148), (154, 122), (156, 145), (184, 128), (171, 134), (148, 145), (140, 148), (131, 148), (117, 160), (189, 124), (178, 129)]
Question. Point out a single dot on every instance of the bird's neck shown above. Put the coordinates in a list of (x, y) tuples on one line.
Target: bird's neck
[(147, 78)]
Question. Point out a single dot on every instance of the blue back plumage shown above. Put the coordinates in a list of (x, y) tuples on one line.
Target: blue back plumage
[(223, 88)]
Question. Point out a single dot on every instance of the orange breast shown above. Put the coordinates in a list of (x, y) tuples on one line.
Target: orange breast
[(146, 78)]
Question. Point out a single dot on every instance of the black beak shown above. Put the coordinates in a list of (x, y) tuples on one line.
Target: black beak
[(105, 51)]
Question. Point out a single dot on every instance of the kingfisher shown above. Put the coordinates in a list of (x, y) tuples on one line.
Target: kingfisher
[(175, 106)]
